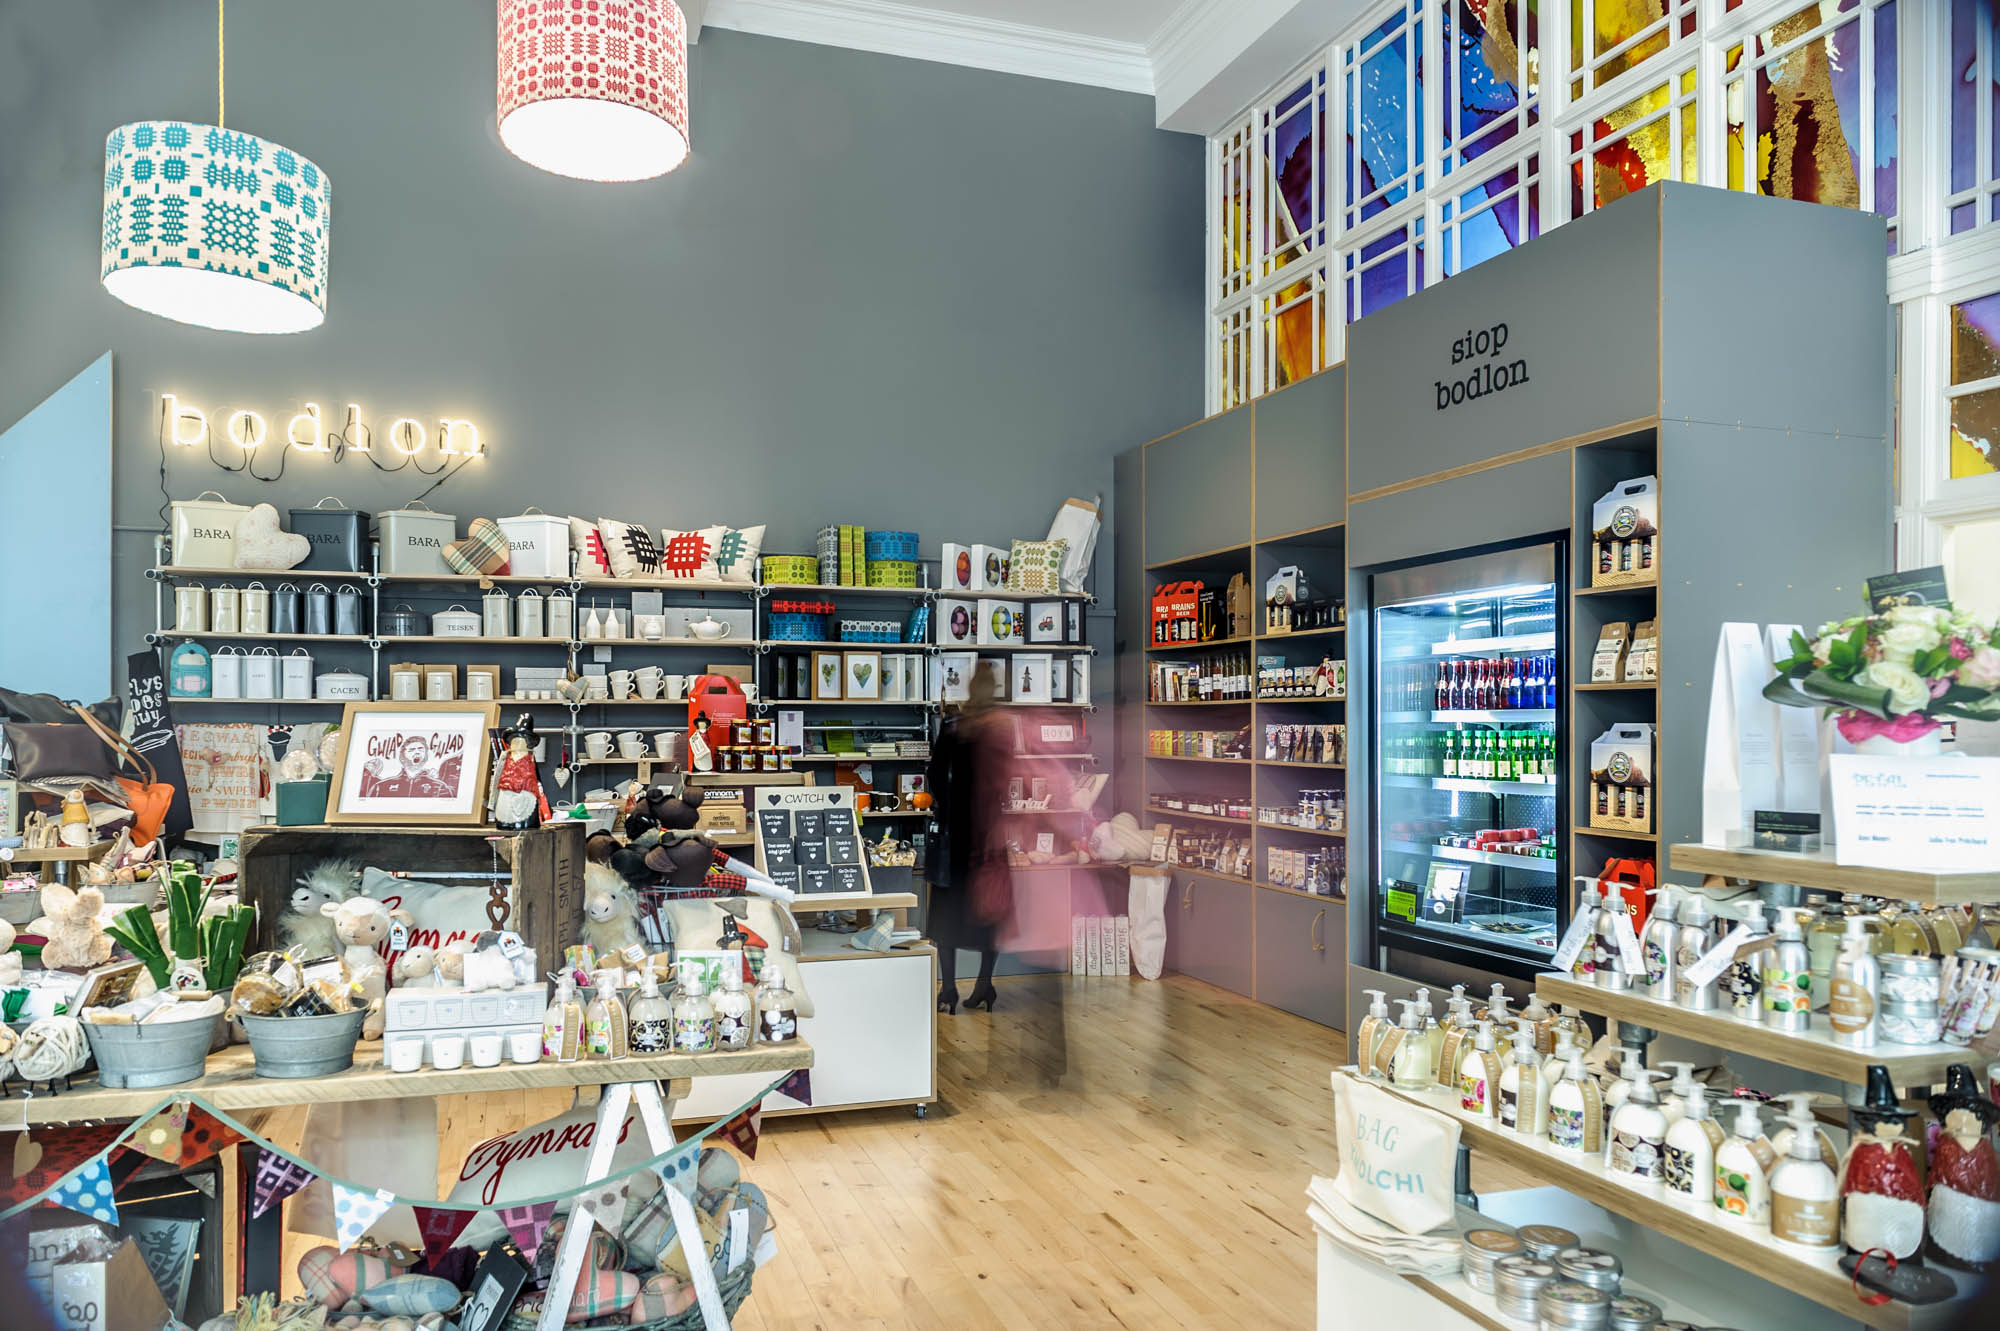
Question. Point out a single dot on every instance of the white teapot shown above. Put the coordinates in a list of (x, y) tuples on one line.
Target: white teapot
[(708, 628)]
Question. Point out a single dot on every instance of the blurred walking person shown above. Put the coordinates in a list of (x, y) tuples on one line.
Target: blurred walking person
[(966, 862)]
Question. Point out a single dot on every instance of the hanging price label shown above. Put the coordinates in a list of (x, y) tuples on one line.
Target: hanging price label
[(1629, 956), (511, 945), (1712, 963), (1573, 942), (399, 937)]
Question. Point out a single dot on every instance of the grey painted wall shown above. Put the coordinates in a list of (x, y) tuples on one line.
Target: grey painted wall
[(882, 291)]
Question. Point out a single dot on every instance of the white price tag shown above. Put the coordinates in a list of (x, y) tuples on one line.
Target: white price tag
[(1573, 941), (739, 1236), (1712, 962), (1629, 955), (399, 937), (511, 945)]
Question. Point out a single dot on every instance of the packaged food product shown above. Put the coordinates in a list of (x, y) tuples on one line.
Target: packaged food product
[(266, 982)]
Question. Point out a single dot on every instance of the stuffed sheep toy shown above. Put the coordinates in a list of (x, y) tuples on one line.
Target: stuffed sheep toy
[(1120, 839), (361, 924), (415, 968), (304, 923), (478, 963), (610, 911)]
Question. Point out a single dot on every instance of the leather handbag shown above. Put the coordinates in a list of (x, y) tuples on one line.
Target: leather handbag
[(151, 798), (52, 750)]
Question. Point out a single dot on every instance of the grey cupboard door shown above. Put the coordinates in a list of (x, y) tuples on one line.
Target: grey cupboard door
[(1302, 956), (1209, 931), (1198, 489)]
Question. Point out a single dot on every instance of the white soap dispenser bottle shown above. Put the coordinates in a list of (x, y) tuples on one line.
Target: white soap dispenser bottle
[(1524, 1096), (1689, 1159), (1583, 970), (1576, 1110), (1743, 1168), (1674, 1103), (1805, 1196), (1639, 1132), (1369, 1037), (1479, 1076), (1410, 1069)]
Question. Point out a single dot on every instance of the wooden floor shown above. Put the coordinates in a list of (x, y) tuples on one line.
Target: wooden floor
[(1105, 1153)]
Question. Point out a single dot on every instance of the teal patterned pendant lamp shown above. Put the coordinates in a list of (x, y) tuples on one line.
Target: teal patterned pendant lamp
[(213, 226)]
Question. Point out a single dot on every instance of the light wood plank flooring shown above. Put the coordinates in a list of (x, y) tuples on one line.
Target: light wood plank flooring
[(1106, 1153)]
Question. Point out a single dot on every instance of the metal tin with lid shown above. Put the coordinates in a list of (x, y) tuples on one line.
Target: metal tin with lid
[(1567, 1305), (1482, 1248), (1629, 1312), (1591, 1266), (1545, 1241), (1907, 978), (1517, 1281)]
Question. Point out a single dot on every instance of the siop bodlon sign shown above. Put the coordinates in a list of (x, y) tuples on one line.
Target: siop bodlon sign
[(1480, 366)]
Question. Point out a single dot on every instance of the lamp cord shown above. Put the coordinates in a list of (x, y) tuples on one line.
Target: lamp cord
[(221, 67)]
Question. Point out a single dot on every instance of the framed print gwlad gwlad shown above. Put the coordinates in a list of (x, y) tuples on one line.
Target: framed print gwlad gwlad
[(412, 762)]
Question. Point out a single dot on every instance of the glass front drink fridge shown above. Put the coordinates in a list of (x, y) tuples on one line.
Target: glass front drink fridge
[(1471, 830)]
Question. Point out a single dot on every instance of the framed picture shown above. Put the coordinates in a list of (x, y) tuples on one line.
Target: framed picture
[(413, 762), (10, 807), (108, 985), (1045, 621), (1030, 677), (995, 670), (892, 677), (495, 1286), (954, 670), (828, 670), (864, 675)]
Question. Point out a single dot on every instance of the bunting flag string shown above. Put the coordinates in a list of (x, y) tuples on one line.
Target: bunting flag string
[(161, 1135), (605, 1205), (354, 1211), (88, 1191), (277, 1178), (440, 1228), (73, 1150), (799, 1086), (527, 1224)]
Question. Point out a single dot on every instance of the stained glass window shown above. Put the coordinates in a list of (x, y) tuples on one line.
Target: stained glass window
[(1975, 93), (1494, 92), (1491, 217), (1233, 360), (1291, 140), (1608, 38), (1232, 212), (1293, 320), (1648, 139), (1383, 85), (1384, 270), (1974, 395), (1823, 83)]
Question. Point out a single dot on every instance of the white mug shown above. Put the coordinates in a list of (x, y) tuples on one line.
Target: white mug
[(631, 748), (649, 686), (524, 1046), (448, 1051), (749, 693), (621, 688), (677, 687), (663, 742), (598, 744), (406, 1053)]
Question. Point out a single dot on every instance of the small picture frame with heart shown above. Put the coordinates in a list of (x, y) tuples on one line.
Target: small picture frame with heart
[(864, 676), (828, 672)]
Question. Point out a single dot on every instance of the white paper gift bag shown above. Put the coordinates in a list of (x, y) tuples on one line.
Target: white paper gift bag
[(1397, 1159), (1076, 522)]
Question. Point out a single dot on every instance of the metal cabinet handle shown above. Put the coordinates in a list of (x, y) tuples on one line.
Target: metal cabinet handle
[(1318, 945), (1187, 891)]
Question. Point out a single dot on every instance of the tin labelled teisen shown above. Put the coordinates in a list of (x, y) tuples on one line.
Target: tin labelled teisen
[(1492, 374)]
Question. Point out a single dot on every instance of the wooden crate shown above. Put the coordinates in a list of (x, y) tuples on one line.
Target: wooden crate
[(543, 900)]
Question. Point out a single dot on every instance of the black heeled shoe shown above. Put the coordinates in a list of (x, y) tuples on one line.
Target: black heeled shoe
[(982, 996), (948, 999)]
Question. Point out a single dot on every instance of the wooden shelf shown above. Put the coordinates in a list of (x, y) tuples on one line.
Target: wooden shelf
[(1298, 700), (661, 584), (474, 580), (1207, 557), (264, 702), (1816, 870), (1611, 835), (1299, 892), (1651, 586), (803, 589), (358, 639), (294, 574), (834, 702), (897, 813), (1302, 831), (1809, 1051), (1179, 758), (1021, 648), (480, 641), (1748, 1249), (1620, 686), (1156, 649), (1201, 702), (855, 758), (1299, 633), (54, 855), (1170, 814), (1304, 767), (790, 645)]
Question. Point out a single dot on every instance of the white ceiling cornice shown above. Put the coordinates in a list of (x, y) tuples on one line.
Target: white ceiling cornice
[(928, 34)]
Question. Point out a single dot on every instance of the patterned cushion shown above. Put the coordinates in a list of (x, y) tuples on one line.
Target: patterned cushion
[(483, 549), (1035, 567), (690, 554), (736, 551), (591, 561), (629, 549)]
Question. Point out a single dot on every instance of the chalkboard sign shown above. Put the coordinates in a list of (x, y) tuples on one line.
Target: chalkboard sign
[(809, 840)]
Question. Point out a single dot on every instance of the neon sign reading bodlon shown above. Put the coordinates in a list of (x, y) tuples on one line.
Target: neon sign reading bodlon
[(187, 426)]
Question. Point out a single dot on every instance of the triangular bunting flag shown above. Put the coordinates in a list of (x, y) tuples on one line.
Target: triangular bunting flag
[(88, 1191), (799, 1086), (678, 1170), (205, 1135), (527, 1224), (42, 1158), (354, 1211), (160, 1135), (278, 1177), (743, 1130), (605, 1205), (440, 1229)]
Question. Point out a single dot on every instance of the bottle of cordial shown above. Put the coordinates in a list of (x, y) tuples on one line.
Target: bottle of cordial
[(652, 1018)]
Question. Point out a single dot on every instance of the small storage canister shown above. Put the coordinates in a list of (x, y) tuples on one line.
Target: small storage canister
[(319, 609), (1591, 1266), (1566, 1305), (225, 669), (440, 683), (347, 610), (496, 618), (339, 535), (205, 531), (402, 622), (528, 614), (457, 622), (414, 538), (537, 544), (1545, 1241), (188, 671), (285, 608), (296, 676), (1517, 1281), (191, 609), (1629, 1312), (1482, 1248), (561, 616), (260, 673), (1908, 979), (225, 609), (342, 685), (256, 609), (406, 682)]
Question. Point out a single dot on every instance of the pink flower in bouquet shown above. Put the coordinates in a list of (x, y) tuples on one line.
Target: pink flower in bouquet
[(1981, 670), (1857, 726), (1959, 650)]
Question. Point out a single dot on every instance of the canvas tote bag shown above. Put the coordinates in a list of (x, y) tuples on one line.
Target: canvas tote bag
[(1397, 1159)]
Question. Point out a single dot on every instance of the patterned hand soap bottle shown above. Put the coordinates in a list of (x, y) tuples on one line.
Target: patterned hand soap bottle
[(735, 1014), (694, 1015)]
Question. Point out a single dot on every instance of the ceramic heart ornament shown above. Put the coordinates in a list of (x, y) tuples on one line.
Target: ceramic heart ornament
[(262, 544)]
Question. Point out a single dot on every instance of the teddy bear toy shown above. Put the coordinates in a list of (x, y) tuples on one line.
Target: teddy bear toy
[(76, 941), (360, 924)]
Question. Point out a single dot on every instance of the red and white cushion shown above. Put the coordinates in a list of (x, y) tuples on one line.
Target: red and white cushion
[(588, 545)]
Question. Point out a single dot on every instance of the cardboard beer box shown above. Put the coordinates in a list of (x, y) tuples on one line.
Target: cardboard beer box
[(1621, 778)]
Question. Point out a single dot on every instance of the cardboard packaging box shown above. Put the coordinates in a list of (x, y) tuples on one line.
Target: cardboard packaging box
[(989, 568), (957, 623), (1001, 623), (1121, 951), (955, 569)]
